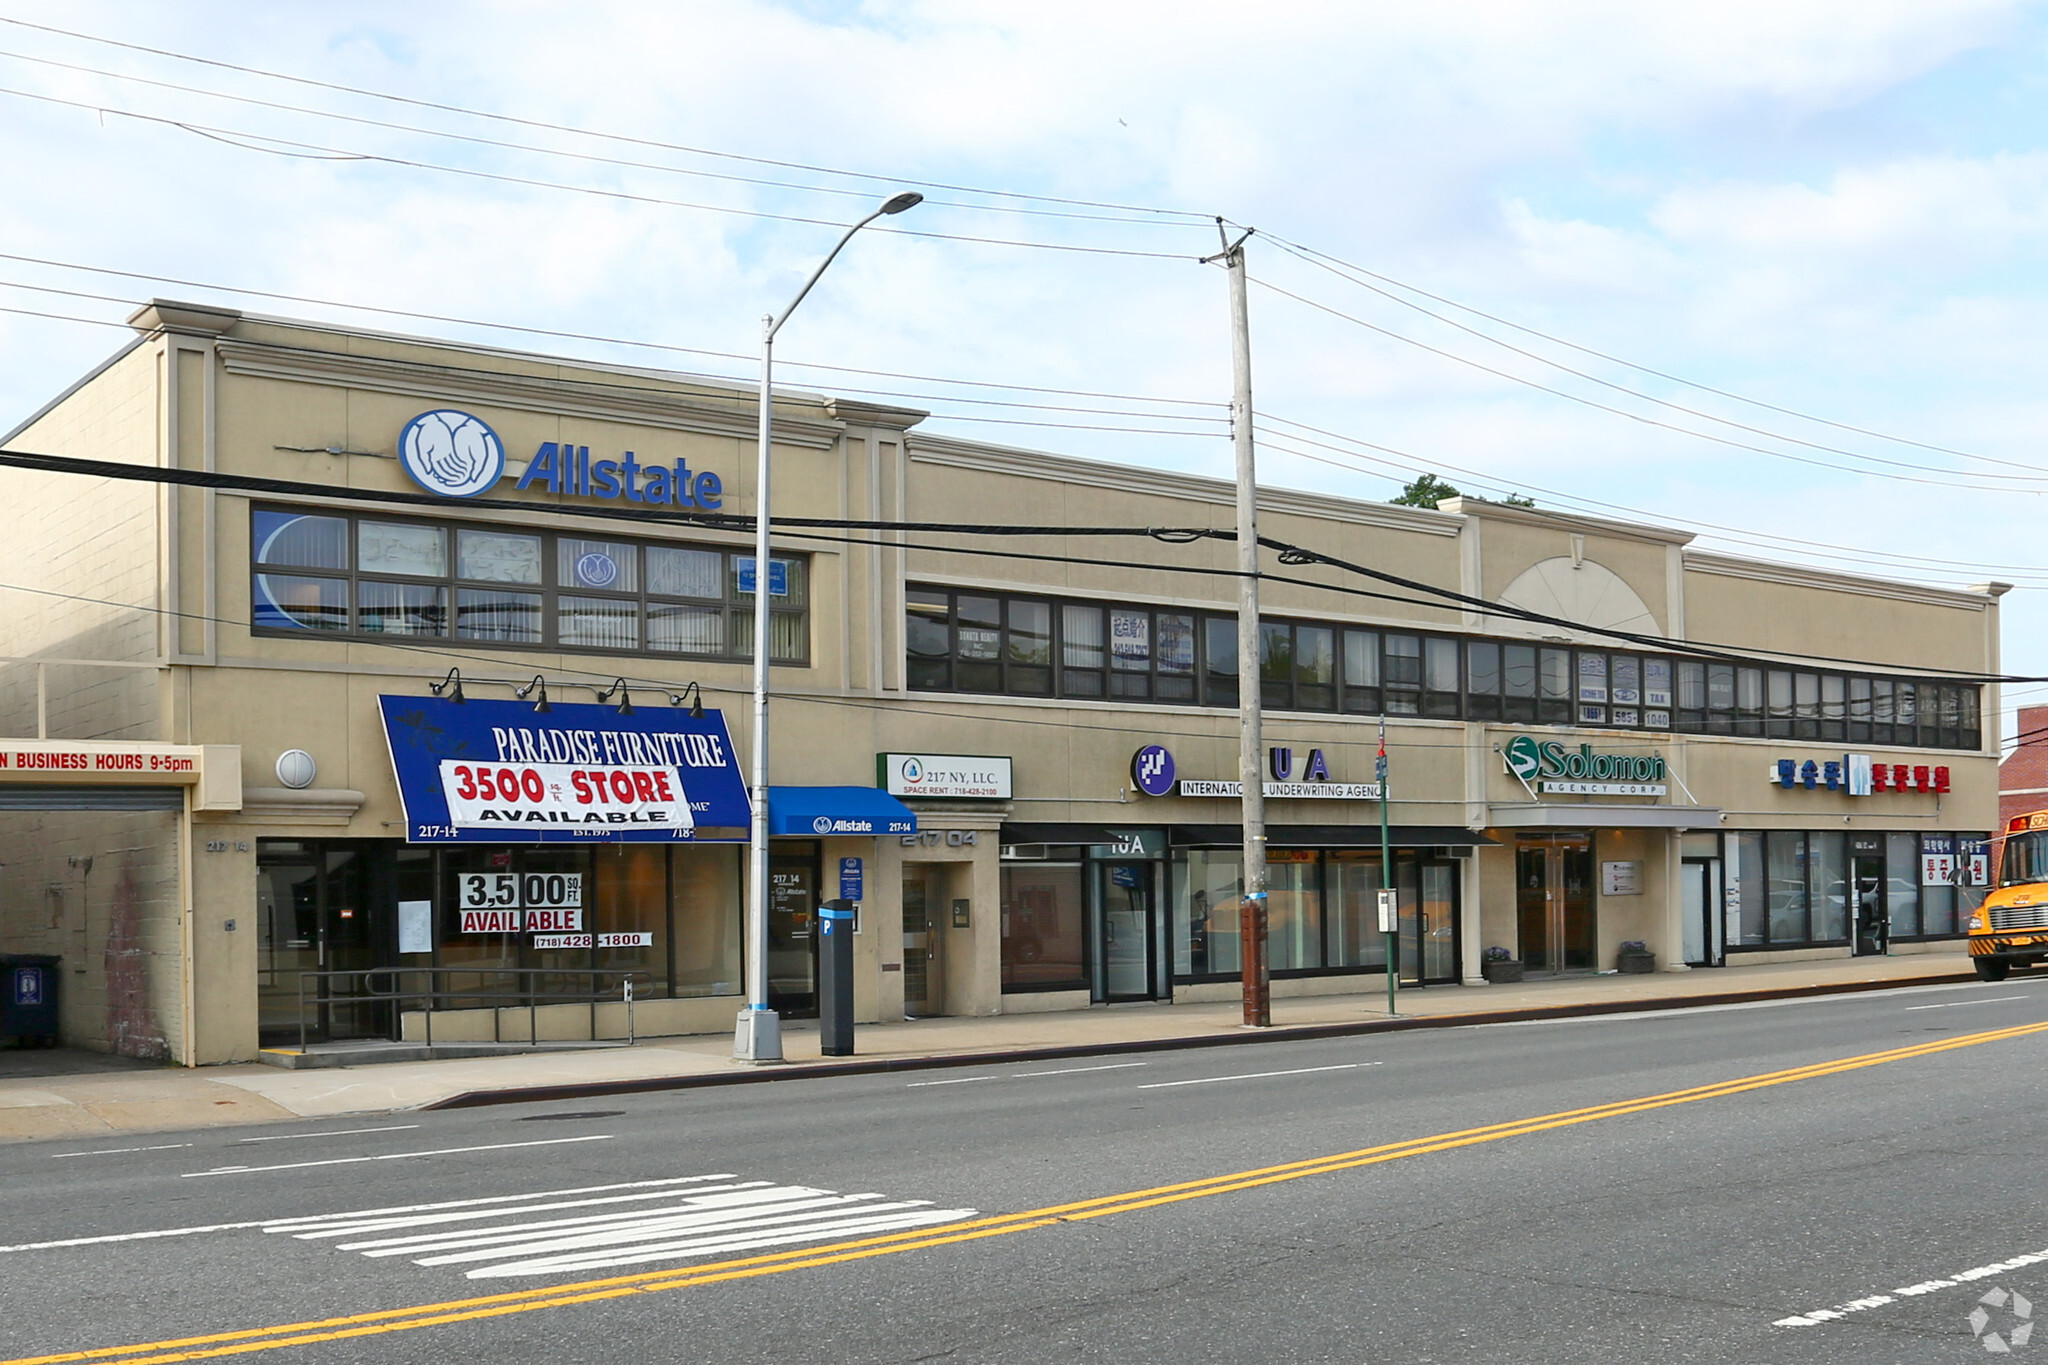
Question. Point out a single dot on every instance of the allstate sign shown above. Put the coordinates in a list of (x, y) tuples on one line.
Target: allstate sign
[(451, 453)]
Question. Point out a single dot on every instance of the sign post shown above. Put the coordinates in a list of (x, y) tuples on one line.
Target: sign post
[(1390, 925)]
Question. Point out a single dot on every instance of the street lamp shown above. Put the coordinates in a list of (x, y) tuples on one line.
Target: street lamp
[(757, 1037)]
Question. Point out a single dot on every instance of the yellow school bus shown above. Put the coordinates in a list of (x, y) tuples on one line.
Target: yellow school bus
[(2010, 929)]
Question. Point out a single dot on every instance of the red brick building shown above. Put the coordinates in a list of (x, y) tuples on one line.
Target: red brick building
[(2023, 775)]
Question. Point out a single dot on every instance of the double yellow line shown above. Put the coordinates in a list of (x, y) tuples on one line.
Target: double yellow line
[(251, 1340)]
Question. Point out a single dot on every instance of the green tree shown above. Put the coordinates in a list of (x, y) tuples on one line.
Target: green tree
[(1517, 500), (1426, 491)]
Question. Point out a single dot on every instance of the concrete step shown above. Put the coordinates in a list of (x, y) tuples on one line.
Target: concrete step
[(371, 1051)]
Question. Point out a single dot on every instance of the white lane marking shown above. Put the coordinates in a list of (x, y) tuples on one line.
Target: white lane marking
[(1952, 1004), (1077, 1070), (1021, 1075), (1845, 997), (1257, 1075), (505, 1239), (127, 1237), (393, 1156), (339, 1132), (346, 1224), (118, 1151), (292, 1224), (1815, 1317)]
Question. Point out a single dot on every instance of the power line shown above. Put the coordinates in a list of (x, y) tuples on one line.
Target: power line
[(1415, 463), (292, 147), (1338, 267), (1289, 553), (1860, 556), (1150, 218), (1639, 417), (581, 336), (1202, 218)]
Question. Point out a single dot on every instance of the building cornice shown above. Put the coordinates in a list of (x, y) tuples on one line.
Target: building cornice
[(1565, 521), (1158, 483), (1801, 576), (594, 399)]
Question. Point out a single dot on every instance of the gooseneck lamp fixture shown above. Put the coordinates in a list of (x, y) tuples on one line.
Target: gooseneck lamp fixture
[(452, 685), (757, 1036), (618, 689), (538, 683), (696, 696)]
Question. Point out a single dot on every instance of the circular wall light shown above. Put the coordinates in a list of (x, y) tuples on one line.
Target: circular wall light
[(296, 769)]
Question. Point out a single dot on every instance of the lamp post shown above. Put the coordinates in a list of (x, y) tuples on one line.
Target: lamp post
[(757, 1036)]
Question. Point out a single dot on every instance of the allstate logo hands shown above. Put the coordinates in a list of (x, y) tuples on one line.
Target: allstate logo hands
[(451, 453)]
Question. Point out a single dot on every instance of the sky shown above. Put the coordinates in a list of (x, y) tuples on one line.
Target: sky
[(1770, 272)]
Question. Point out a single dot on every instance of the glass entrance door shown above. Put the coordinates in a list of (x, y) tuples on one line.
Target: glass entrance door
[(922, 970), (1872, 922), (1126, 950), (314, 916), (1554, 903), (1700, 891), (792, 943)]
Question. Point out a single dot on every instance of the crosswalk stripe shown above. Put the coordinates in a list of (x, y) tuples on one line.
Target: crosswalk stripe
[(669, 1220)]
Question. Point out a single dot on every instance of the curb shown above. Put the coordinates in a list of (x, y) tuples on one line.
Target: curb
[(476, 1099)]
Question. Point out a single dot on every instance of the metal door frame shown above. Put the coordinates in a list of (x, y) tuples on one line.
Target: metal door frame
[(1884, 921), (1712, 911), (1098, 929), (1553, 846)]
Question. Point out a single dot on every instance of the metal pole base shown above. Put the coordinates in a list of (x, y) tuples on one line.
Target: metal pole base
[(757, 1036)]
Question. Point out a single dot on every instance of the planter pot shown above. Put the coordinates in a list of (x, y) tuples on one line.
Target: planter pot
[(1636, 962), (1501, 973)]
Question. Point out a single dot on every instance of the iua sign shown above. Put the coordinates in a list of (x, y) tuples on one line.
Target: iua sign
[(456, 455), (1546, 766)]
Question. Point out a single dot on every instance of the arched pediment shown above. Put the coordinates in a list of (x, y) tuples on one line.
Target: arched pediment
[(1583, 592)]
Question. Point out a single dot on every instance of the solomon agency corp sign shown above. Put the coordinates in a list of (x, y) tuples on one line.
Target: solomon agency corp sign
[(1548, 768)]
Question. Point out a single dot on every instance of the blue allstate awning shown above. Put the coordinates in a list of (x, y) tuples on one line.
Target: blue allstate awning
[(837, 810)]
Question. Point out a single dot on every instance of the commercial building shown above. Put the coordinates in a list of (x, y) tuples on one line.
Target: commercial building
[(456, 690)]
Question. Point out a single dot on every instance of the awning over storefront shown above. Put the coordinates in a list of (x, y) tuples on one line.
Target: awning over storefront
[(511, 772), (1330, 836), (1547, 816), (817, 811)]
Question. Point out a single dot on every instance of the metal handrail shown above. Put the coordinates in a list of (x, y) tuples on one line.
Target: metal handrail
[(431, 994)]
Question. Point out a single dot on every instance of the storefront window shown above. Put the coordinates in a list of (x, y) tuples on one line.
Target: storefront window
[(1752, 886), (1828, 868), (1294, 909), (704, 901), (1902, 883), (1044, 927), (1785, 853), (1355, 937), (1208, 885)]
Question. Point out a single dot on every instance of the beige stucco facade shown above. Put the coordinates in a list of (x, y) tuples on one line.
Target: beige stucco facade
[(141, 625)]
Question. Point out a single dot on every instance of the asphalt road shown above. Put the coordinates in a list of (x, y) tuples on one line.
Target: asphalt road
[(1529, 1193)]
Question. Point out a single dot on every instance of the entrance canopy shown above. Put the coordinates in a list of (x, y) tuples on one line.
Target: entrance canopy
[(837, 810), (1547, 816)]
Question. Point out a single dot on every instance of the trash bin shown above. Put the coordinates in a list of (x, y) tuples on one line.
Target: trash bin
[(28, 999)]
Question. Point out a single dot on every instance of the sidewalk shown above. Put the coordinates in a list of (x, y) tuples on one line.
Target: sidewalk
[(99, 1099)]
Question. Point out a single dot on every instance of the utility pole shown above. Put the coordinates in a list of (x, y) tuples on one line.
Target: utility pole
[(1390, 907), (1258, 1004)]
